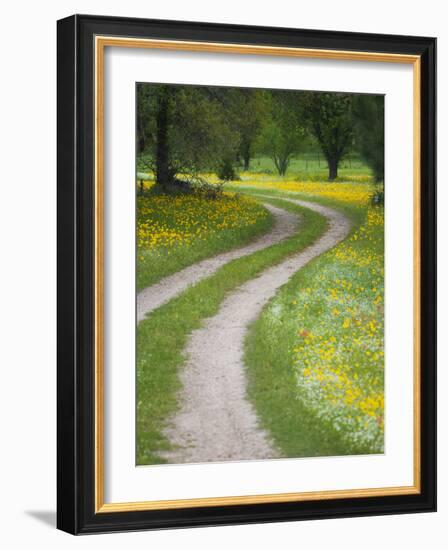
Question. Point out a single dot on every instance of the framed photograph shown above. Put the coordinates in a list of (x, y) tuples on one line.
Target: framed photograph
[(246, 274)]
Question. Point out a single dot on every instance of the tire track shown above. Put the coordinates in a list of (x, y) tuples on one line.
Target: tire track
[(154, 296), (215, 421)]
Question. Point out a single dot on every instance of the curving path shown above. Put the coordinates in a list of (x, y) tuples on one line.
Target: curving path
[(154, 296), (215, 420)]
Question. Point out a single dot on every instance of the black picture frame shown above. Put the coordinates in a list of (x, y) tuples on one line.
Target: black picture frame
[(76, 263)]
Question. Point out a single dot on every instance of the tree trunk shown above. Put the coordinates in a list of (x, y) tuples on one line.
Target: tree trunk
[(282, 165), (333, 168), (245, 153), (141, 144), (163, 175)]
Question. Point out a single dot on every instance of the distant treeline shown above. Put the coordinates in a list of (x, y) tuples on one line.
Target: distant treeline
[(185, 130)]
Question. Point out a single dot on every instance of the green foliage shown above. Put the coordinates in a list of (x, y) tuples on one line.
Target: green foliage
[(145, 123), (329, 119), (185, 130), (281, 136), (182, 130), (226, 170), (252, 106), (368, 115), (245, 111)]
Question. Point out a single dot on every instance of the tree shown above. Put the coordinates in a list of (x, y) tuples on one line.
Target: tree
[(165, 170), (368, 114), (329, 119), (244, 110), (182, 130), (281, 136), (143, 117), (251, 108)]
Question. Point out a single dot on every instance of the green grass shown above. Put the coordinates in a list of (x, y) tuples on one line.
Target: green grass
[(161, 338), (174, 232), (305, 167), (311, 169), (320, 392)]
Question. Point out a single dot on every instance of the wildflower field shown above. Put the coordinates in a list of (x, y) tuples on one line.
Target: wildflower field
[(356, 193), (274, 350), (322, 391), (162, 336), (174, 231)]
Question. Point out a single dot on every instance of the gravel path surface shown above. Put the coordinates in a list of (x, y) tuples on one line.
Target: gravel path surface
[(215, 421), (154, 296)]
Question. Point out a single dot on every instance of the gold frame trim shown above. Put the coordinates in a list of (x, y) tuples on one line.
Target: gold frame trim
[(101, 42)]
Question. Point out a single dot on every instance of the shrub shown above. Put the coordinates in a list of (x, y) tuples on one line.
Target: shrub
[(226, 171)]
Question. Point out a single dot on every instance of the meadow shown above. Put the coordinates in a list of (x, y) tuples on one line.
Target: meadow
[(329, 372), (307, 167), (321, 391), (161, 338), (174, 231)]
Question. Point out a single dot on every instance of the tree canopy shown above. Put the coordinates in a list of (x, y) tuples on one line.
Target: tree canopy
[(368, 113), (282, 134), (184, 131), (329, 119)]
